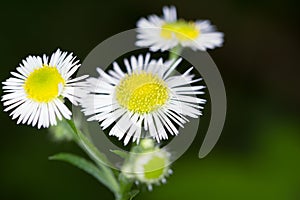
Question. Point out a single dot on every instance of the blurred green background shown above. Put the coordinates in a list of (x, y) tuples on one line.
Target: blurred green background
[(258, 154)]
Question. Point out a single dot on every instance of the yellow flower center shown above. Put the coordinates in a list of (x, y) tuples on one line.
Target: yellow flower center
[(44, 84), (155, 167), (181, 29), (142, 92)]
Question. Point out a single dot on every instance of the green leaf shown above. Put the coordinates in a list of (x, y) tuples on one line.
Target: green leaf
[(98, 157), (85, 165), (122, 154)]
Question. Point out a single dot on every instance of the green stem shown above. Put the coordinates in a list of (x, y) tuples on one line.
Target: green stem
[(175, 52), (125, 188)]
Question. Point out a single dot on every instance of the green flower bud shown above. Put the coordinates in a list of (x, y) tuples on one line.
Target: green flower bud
[(147, 164)]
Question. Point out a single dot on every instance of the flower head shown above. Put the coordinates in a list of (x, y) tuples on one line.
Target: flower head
[(145, 97), (147, 164), (167, 32), (35, 92)]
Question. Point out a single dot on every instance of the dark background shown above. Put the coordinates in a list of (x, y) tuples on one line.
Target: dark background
[(258, 154)]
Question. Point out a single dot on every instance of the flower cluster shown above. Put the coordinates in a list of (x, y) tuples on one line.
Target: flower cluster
[(141, 98)]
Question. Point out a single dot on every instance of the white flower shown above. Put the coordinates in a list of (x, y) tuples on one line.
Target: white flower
[(35, 92), (164, 33), (144, 96)]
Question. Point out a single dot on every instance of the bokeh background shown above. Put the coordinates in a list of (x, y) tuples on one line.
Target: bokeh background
[(258, 154)]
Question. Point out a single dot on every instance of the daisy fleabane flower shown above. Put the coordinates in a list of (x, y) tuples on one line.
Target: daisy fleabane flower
[(167, 32), (147, 164), (146, 96), (35, 92)]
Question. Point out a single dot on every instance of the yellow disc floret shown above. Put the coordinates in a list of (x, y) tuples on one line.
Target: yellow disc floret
[(181, 29), (155, 168), (44, 84), (142, 92)]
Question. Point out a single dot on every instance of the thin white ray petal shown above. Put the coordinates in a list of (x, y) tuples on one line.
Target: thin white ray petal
[(133, 128), (172, 68)]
